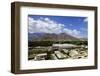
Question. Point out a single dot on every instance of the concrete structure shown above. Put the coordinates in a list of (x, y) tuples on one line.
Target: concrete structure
[(53, 56), (59, 55), (40, 56)]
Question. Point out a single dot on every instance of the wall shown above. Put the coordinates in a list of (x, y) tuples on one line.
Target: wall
[(5, 33)]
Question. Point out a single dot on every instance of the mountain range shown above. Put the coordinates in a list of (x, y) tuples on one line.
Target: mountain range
[(52, 37)]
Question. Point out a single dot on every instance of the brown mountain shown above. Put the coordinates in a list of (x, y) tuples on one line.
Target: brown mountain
[(51, 37)]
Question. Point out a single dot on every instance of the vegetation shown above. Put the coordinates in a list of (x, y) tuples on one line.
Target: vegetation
[(49, 43)]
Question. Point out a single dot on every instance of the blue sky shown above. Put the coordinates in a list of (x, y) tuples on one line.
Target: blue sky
[(75, 26)]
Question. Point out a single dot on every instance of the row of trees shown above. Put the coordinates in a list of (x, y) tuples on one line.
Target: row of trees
[(49, 43)]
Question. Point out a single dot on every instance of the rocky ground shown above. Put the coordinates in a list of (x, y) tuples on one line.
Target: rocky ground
[(80, 53)]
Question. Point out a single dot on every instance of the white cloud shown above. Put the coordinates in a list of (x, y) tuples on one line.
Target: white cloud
[(46, 25), (73, 32), (86, 20)]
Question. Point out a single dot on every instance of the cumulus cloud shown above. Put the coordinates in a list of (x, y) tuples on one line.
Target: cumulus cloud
[(73, 32), (46, 25)]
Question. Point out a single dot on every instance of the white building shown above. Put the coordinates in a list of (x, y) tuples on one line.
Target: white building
[(64, 46)]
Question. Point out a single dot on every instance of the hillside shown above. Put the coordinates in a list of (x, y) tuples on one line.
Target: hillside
[(51, 37)]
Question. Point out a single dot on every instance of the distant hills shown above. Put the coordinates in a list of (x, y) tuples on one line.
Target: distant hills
[(53, 37)]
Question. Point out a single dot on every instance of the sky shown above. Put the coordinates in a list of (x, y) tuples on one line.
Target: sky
[(75, 26)]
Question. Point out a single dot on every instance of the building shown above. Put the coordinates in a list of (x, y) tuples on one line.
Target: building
[(64, 46)]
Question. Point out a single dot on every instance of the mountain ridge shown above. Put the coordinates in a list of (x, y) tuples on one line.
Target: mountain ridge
[(52, 37)]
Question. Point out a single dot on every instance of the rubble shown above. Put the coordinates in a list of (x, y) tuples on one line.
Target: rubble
[(58, 53)]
